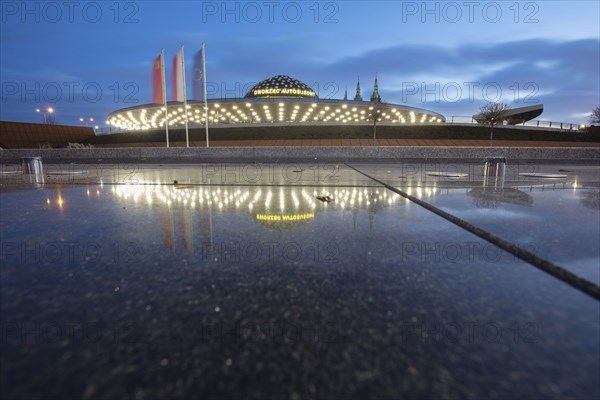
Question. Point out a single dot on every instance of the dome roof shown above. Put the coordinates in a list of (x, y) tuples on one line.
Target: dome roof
[(281, 86)]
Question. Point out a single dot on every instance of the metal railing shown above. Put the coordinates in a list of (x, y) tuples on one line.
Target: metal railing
[(534, 123), (451, 120), (107, 131)]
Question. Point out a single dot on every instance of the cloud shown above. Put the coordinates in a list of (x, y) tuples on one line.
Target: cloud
[(561, 74), (566, 80)]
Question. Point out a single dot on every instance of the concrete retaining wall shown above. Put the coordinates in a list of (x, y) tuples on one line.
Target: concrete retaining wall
[(299, 154)]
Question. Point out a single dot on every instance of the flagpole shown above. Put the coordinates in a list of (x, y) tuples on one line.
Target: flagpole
[(164, 84), (187, 137), (205, 98)]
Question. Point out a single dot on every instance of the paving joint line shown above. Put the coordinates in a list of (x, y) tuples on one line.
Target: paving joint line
[(577, 282)]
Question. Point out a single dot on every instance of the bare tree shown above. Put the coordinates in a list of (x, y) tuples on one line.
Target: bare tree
[(374, 115), (595, 116), (493, 114)]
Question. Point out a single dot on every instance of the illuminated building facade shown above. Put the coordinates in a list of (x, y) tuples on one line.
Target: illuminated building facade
[(279, 100)]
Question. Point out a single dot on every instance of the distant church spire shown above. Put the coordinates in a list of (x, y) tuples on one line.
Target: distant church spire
[(375, 97), (357, 96), (346, 93)]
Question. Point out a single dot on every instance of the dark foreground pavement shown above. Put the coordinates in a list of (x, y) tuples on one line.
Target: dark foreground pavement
[(238, 282)]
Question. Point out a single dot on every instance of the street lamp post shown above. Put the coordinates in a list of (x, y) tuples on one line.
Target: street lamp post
[(49, 110), (82, 120)]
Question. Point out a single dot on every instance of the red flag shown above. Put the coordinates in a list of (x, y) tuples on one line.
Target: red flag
[(158, 94), (177, 83)]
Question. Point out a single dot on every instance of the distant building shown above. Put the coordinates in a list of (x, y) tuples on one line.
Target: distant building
[(515, 116), (277, 100)]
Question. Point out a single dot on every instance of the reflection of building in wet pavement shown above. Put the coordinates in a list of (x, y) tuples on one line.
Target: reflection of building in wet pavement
[(491, 197), (271, 207), (188, 210), (187, 207)]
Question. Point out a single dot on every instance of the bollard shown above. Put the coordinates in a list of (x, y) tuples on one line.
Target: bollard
[(494, 167), (32, 170)]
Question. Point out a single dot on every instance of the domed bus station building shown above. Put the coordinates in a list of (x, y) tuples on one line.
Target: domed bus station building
[(279, 100), (283, 111), (278, 108)]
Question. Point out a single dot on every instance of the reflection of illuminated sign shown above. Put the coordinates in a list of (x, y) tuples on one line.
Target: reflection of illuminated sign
[(284, 218), (283, 91)]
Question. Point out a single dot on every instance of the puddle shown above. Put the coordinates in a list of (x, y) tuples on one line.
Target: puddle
[(223, 276)]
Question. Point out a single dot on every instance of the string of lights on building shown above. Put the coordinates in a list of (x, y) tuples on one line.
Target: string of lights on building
[(273, 102)]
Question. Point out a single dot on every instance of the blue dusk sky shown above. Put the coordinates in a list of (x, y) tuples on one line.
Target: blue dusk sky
[(87, 59)]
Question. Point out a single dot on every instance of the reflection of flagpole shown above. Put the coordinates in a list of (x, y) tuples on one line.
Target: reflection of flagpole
[(204, 90), (166, 223), (187, 233), (210, 227), (164, 85), (187, 137), (206, 228)]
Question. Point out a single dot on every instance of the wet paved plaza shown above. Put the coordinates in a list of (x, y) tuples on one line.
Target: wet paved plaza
[(297, 281)]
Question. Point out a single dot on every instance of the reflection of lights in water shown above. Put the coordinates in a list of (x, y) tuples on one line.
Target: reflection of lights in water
[(252, 198), (268, 200)]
